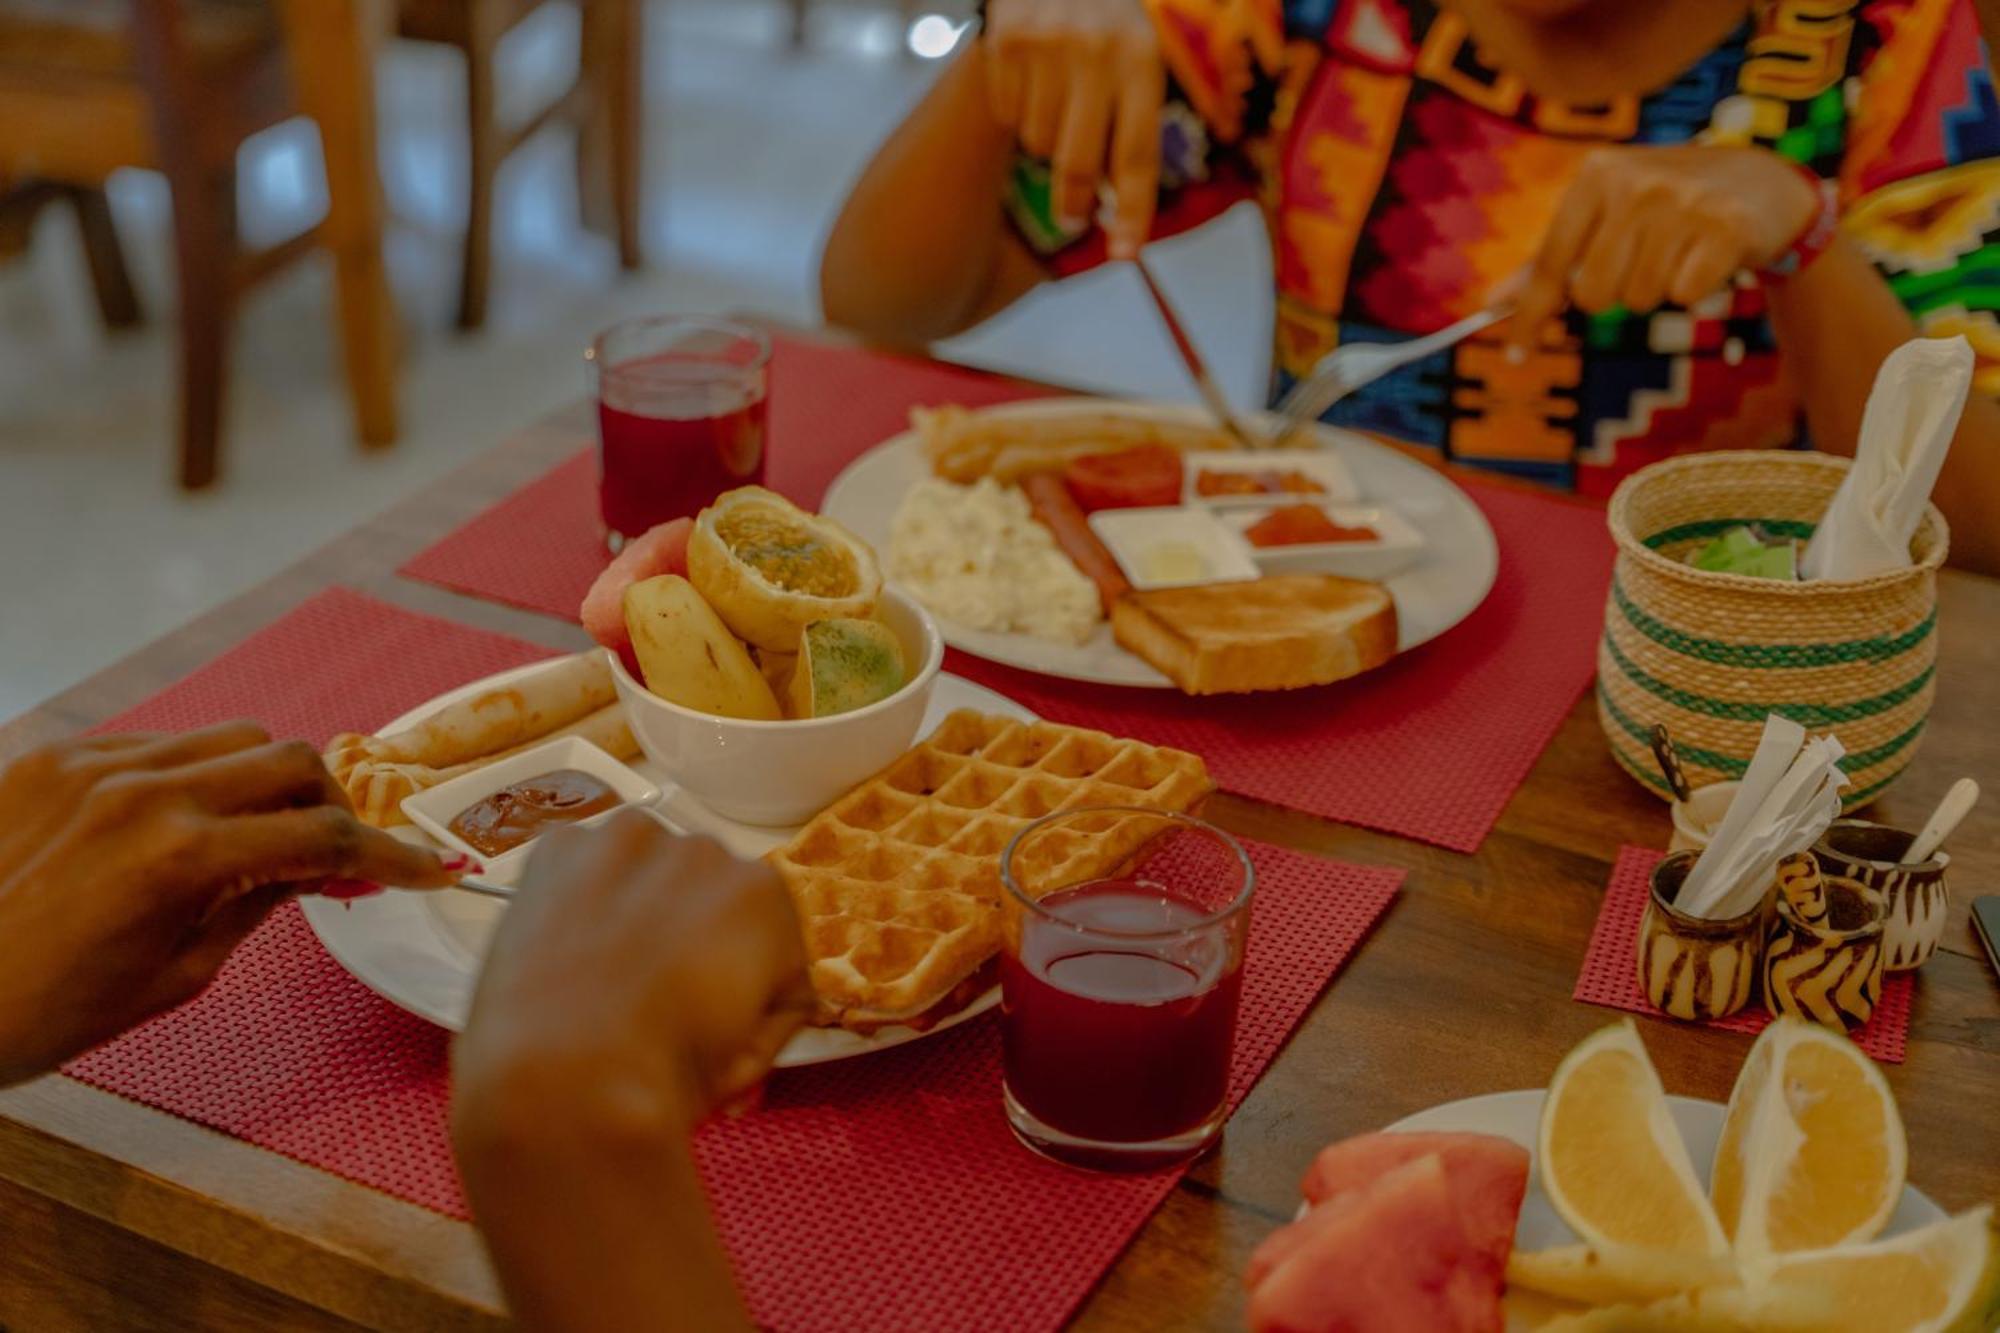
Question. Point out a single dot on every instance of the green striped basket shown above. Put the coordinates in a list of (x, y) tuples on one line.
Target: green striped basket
[(1711, 654)]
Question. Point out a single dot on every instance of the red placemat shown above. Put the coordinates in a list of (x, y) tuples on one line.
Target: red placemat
[(540, 547), (1431, 746), (880, 1193), (1610, 977)]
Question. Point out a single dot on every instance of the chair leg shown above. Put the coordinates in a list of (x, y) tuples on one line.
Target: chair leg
[(483, 123), (109, 277), (204, 211), (608, 143), (337, 90)]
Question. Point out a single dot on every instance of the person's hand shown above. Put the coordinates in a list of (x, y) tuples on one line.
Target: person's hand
[(633, 963), (1644, 225), (1081, 82), (130, 867)]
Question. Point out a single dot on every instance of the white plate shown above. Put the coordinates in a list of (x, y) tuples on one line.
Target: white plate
[(1461, 560), (421, 951), (1518, 1116)]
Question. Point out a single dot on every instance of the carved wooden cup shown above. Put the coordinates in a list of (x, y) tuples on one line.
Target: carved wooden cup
[(1692, 967)]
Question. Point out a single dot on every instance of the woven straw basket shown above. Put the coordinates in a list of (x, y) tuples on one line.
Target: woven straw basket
[(1711, 654)]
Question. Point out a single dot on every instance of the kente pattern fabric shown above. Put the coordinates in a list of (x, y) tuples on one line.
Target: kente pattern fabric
[(1402, 175)]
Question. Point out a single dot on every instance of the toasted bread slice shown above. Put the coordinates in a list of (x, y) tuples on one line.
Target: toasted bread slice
[(1277, 633)]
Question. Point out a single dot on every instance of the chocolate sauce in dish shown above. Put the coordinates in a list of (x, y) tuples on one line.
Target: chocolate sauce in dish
[(513, 815)]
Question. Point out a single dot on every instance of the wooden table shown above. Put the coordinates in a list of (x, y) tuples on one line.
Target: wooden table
[(116, 1215)]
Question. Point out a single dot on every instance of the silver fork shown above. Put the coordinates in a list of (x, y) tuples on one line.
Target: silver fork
[(1345, 369)]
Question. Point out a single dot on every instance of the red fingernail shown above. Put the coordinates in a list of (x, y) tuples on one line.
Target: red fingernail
[(344, 889), (461, 864)]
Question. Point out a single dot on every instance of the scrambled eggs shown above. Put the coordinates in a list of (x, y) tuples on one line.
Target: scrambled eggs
[(975, 555)]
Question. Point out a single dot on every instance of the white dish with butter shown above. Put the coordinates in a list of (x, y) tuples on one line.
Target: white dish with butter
[(1460, 560), (1173, 548)]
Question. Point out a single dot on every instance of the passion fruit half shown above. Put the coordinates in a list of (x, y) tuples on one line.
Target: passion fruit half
[(770, 569)]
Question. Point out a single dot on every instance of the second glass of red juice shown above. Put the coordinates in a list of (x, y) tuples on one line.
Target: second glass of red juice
[(680, 413), (1119, 994)]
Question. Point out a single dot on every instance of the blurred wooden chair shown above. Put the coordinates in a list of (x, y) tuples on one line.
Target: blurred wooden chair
[(88, 86), (117, 300), (605, 102)]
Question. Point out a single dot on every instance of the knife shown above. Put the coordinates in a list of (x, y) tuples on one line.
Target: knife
[(1211, 392)]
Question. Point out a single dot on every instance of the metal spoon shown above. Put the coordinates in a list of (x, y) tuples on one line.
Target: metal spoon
[(480, 886), (1957, 803)]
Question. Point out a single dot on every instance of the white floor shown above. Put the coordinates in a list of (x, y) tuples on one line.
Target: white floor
[(750, 148)]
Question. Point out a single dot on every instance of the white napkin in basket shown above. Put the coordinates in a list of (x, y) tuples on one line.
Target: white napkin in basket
[(1905, 430), (1789, 795)]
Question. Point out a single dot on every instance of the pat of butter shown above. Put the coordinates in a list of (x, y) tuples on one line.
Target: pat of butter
[(1173, 562), (1173, 546)]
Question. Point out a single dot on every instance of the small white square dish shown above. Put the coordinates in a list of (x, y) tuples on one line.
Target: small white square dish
[(433, 810), (1174, 547), (1395, 547), (1258, 477)]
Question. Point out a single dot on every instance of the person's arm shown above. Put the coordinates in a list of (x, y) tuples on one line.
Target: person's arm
[(588, 1201), (639, 981), (922, 248), (1836, 321)]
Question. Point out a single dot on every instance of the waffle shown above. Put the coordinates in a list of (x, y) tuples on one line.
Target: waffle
[(897, 884)]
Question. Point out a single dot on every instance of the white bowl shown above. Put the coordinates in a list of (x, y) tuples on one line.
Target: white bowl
[(776, 774), (434, 809)]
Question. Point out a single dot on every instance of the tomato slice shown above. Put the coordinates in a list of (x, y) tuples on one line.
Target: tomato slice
[(1142, 477)]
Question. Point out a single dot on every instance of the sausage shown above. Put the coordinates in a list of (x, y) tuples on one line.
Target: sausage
[(1055, 509)]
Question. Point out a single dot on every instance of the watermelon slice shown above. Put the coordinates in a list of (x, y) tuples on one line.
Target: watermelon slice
[(1489, 1176), (1391, 1258), (660, 550), (1407, 1231)]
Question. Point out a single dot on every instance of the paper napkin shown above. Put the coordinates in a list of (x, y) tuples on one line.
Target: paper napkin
[(1905, 431), (1789, 796)]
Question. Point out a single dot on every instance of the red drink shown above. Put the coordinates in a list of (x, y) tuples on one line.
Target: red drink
[(680, 412), (1123, 1042)]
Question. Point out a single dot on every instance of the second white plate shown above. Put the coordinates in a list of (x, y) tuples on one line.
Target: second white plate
[(1461, 559)]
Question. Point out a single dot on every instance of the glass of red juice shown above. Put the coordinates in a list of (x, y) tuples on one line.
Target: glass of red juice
[(1119, 993), (680, 413)]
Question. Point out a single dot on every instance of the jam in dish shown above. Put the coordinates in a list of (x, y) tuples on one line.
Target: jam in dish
[(1271, 482), (513, 815), (1302, 525)]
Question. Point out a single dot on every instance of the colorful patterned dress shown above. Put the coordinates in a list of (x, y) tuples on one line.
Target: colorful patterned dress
[(1402, 176)]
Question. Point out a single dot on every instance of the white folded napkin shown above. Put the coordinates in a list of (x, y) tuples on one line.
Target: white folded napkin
[(1789, 796), (1905, 430)]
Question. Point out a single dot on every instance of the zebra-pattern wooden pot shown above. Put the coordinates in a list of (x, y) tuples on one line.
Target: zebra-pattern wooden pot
[(1692, 967), (1918, 899), (1829, 971)]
